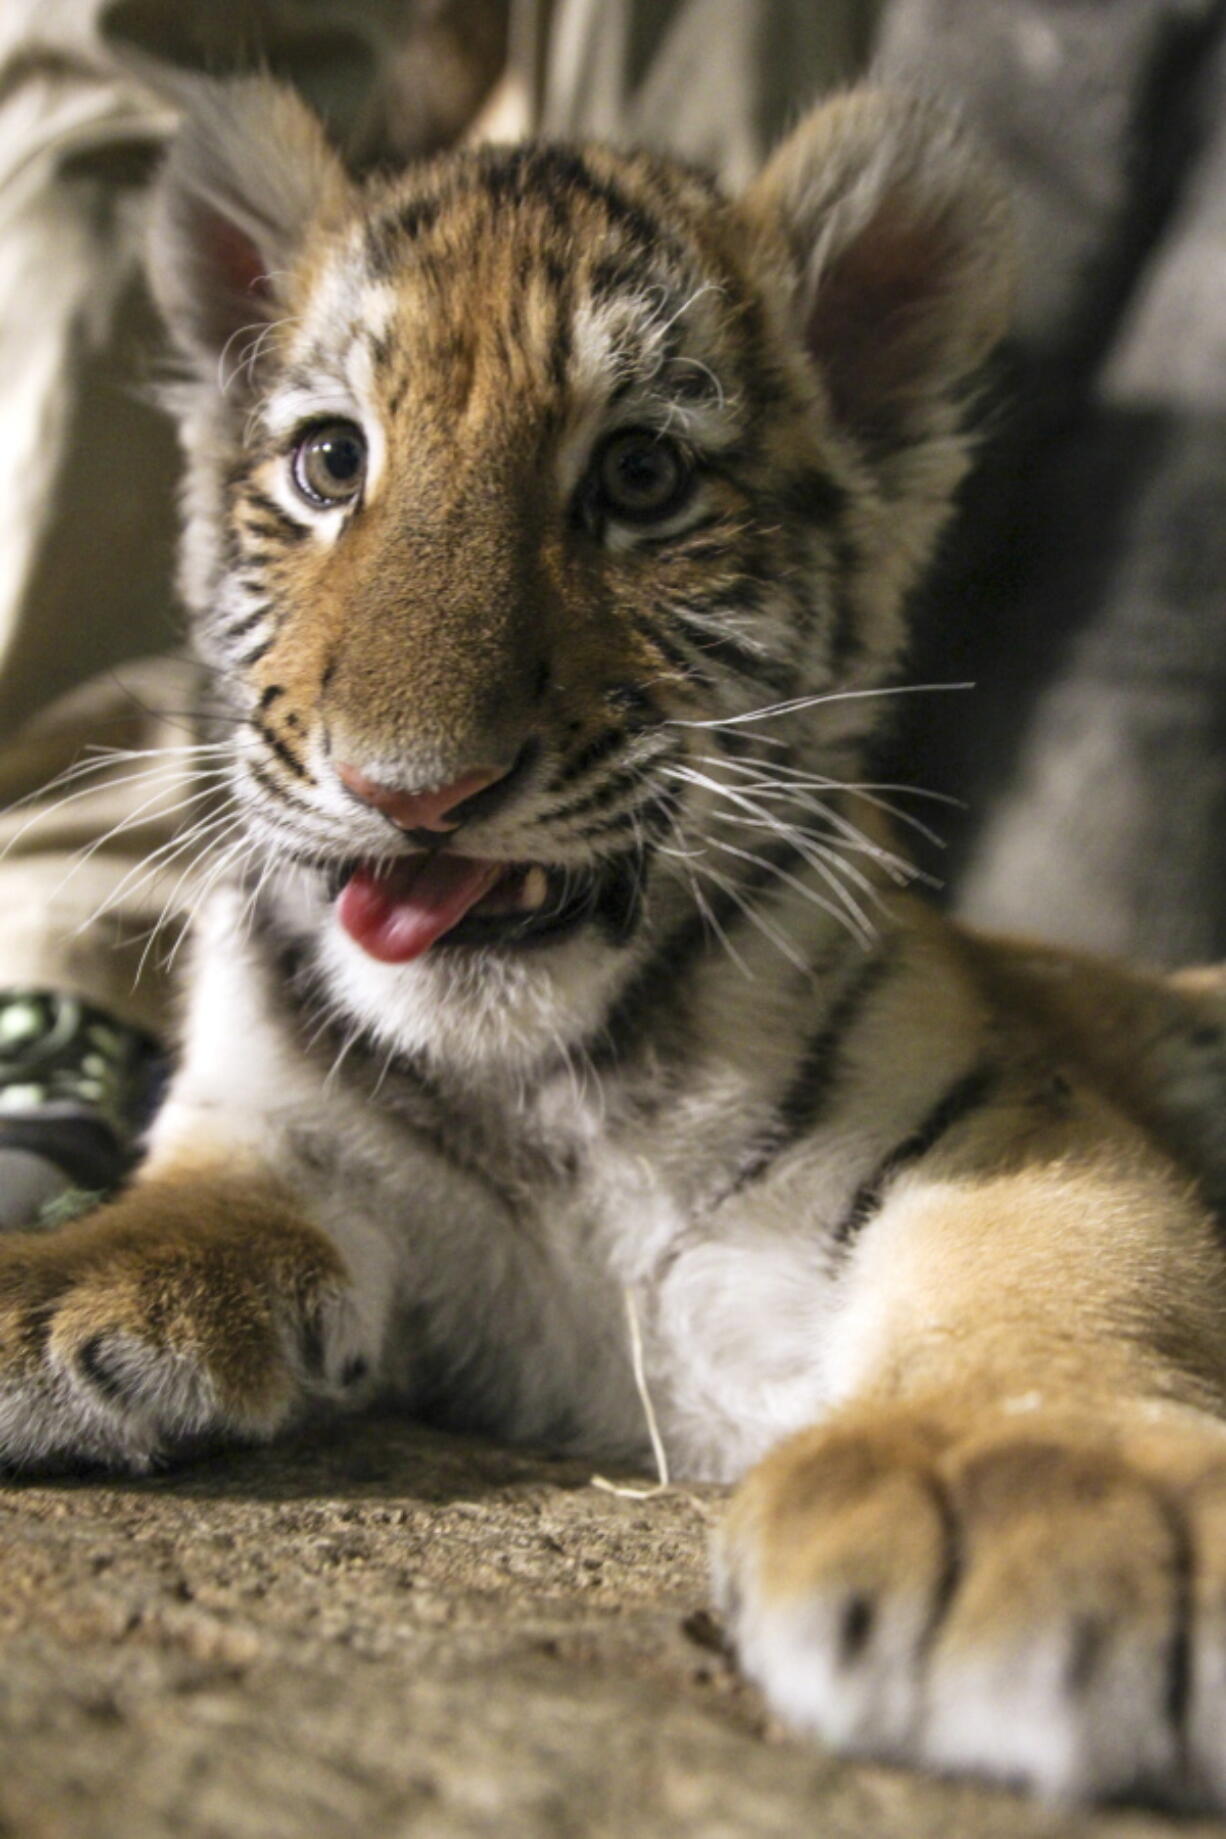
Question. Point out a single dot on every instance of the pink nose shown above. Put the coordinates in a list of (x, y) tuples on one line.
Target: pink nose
[(418, 810)]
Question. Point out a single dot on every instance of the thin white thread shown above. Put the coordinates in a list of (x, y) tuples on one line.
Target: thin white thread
[(638, 1368)]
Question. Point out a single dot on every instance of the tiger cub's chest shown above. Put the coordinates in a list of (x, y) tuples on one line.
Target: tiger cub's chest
[(631, 1274)]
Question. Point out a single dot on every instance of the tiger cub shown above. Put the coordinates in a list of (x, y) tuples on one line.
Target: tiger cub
[(550, 518)]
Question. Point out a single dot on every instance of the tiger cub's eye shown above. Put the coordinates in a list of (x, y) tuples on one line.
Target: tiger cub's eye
[(330, 463), (641, 477)]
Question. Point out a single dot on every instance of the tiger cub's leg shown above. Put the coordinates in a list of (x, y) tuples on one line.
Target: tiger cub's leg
[(201, 1304), (1007, 1552)]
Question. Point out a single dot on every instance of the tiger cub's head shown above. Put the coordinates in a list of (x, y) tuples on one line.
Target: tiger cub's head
[(519, 484)]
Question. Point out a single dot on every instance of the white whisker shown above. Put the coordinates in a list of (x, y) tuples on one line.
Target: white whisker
[(797, 703)]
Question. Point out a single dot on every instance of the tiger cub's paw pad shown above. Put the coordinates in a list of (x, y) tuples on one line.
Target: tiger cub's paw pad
[(118, 1344), (1028, 1607)]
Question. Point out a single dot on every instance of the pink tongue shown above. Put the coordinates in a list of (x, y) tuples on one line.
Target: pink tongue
[(396, 916)]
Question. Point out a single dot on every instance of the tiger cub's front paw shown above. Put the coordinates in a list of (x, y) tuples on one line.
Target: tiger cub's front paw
[(186, 1311), (1043, 1606)]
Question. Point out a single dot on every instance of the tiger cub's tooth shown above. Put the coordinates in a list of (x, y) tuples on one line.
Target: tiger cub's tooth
[(535, 888)]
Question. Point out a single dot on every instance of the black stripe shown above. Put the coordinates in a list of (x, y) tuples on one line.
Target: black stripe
[(701, 548), (845, 641), (561, 343), (591, 754), (553, 175), (813, 1084), (282, 752), (298, 988), (659, 811), (267, 783), (619, 906), (617, 785), (246, 659), (671, 653), (739, 657), (1179, 1650), (633, 701), (817, 1074), (248, 622), (269, 507), (706, 550), (964, 1097), (744, 595), (657, 982), (415, 218), (619, 274), (387, 235), (813, 495), (621, 823), (649, 819)]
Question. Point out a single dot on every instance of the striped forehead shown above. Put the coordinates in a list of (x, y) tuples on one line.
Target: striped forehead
[(530, 279)]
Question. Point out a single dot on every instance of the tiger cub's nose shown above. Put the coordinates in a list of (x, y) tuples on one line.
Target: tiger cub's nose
[(428, 810)]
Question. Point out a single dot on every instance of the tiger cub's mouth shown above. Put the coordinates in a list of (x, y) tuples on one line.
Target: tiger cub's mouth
[(397, 911)]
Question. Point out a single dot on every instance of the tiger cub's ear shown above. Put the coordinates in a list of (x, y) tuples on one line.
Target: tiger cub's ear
[(901, 258), (247, 173)]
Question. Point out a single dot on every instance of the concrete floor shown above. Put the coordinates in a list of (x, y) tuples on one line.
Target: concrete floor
[(380, 1632)]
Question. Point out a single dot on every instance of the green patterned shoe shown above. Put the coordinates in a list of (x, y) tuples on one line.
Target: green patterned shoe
[(76, 1089)]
